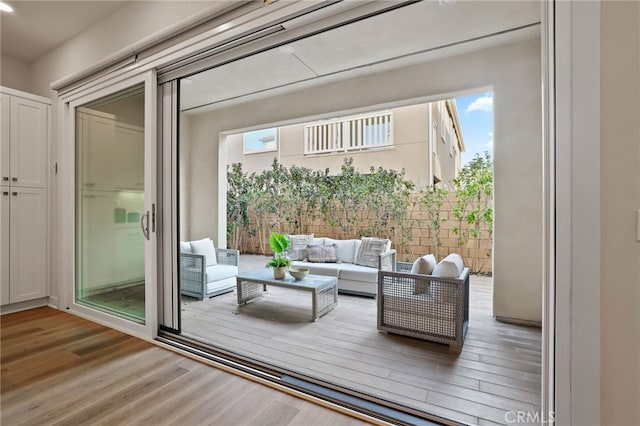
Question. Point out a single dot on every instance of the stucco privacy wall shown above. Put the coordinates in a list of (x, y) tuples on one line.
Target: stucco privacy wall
[(620, 199), (514, 73)]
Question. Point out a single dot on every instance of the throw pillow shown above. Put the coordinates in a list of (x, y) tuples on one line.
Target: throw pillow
[(330, 254), (370, 250), (424, 265), (298, 250), (205, 247), (322, 254), (449, 267)]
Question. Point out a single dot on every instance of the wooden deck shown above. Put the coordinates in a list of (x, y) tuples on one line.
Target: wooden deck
[(498, 370), (60, 369)]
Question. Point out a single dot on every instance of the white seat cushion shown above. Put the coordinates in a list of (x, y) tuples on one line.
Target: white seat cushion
[(220, 272), (352, 272), (326, 269)]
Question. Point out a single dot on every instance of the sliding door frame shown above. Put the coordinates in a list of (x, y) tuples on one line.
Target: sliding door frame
[(68, 292), (572, 287)]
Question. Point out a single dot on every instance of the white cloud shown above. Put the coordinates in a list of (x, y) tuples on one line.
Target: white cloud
[(483, 103), (490, 134), (489, 144)]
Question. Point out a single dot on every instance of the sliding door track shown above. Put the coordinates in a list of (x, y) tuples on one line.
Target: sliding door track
[(383, 410)]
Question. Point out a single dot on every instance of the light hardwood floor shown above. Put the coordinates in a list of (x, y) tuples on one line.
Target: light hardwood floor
[(60, 369), (498, 370)]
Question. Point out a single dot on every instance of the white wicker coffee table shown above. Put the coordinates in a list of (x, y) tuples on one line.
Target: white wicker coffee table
[(324, 290)]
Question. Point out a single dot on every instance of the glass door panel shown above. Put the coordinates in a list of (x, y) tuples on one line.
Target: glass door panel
[(111, 224)]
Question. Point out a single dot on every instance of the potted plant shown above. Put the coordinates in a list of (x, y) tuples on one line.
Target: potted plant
[(279, 243)]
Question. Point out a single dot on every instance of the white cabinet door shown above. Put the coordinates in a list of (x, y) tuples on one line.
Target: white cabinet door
[(128, 256), (29, 135), (128, 167), (5, 153), (98, 153), (28, 244), (97, 239), (4, 244)]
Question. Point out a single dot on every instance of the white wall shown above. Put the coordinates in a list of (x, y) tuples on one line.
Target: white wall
[(127, 25), (620, 192), (15, 74), (513, 71)]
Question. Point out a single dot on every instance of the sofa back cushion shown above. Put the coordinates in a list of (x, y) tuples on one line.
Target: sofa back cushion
[(205, 247), (345, 249), (299, 243), (185, 247), (370, 250)]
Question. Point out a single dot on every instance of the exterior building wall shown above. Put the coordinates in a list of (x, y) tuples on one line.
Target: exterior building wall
[(410, 150)]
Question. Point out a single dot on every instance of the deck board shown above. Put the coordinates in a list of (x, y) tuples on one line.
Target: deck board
[(498, 370)]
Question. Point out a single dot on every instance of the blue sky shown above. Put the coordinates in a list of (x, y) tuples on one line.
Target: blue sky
[(476, 118)]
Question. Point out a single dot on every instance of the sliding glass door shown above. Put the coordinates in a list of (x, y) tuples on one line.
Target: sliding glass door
[(115, 208)]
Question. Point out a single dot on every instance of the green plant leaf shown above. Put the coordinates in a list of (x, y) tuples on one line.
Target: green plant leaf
[(279, 242)]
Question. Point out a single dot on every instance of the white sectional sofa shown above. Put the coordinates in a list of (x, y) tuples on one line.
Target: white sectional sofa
[(357, 271)]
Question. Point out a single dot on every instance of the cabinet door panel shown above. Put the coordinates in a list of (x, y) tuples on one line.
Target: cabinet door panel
[(128, 256), (129, 167), (28, 244), (4, 244), (97, 240), (100, 158), (29, 135), (5, 103)]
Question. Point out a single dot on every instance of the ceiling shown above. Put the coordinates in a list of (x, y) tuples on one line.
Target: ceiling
[(36, 27), (416, 33), (423, 31)]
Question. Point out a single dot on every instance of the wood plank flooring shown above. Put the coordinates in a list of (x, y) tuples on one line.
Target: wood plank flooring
[(60, 369), (498, 370)]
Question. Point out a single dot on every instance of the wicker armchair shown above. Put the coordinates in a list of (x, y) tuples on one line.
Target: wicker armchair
[(201, 281), (424, 306)]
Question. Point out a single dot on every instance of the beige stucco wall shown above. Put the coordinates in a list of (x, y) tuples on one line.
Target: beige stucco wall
[(256, 161), (410, 151), (514, 73), (620, 195)]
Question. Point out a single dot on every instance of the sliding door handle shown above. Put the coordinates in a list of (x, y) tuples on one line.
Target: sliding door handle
[(144, 224)]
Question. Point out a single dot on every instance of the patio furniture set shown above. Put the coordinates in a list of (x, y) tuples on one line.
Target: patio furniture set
[(423, 299)]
